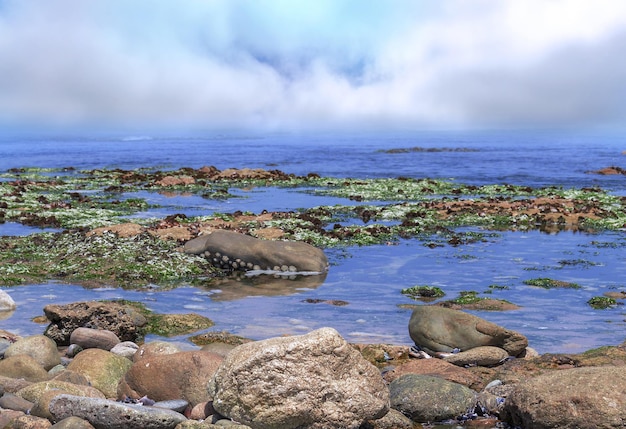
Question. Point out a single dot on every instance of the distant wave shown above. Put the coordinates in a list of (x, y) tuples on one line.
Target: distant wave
[(135, 138)]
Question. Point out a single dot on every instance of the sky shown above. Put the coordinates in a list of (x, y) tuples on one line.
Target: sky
[(313, 64)]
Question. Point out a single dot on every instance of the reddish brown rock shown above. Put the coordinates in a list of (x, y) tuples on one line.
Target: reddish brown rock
[(182, 375), (437, 368)]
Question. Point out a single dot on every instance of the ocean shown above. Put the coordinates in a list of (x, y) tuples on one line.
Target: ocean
[(369, 278)]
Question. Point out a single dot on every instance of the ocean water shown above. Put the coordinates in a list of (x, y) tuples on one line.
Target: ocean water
[(368, 278)]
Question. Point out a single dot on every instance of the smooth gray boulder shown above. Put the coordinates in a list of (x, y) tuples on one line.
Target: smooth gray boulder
[(107, 414), (316, 380), (234, 251), (440, 329), (424, 398), (589, 398)]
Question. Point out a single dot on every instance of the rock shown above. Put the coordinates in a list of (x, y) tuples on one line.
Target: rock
[(315, 380), (226, 248), (72, 377), (106, 414), (7, 416), (437, 368), (29, 422), (41, 408), (423, 398), (39, 347), (590, 398), (88, 338), (478, 356), (221, 349), (6, 302), (126, 349), (202, 410), (155, 348), (123, 320), (23, 366), (103, 369), (182, 375), (439, 329), (34, 391), (178, 405), (12, 385), (392, 420), (72, 422), (10, 401)]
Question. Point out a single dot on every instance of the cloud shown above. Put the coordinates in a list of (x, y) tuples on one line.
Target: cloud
[(303, 64)]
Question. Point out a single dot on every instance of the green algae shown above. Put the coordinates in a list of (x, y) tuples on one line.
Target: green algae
[(601, 302), (77, 201), (548, 283), (423, 292)]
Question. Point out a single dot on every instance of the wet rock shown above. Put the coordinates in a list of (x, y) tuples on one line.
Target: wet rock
[(24, 367), (423, 398), (72, 422), (182, 375), (591, 398), (437, 368), (106, 414), (316, 380), (6, 302), (126, 349), (227, 247), (221, 349), (478, 356), (439, 329), (103, 369), (89, 338), (39, 347), (123, 320), (155, 348)]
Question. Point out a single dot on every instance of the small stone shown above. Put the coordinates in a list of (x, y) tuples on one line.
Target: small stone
[(89, 338), (10, 401), (202, 410), (478, 356), (126, 349), (73, 350), (178, 405), (72, 422)]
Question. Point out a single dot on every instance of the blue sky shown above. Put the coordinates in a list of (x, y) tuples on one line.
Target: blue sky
[(316, 64)]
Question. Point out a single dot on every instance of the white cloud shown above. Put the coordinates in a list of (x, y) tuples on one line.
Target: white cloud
[(328, 63)]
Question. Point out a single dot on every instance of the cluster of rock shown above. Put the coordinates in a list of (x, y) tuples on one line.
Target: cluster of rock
[(317, 380)]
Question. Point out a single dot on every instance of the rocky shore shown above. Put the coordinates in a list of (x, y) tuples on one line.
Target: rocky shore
[(463, 370)]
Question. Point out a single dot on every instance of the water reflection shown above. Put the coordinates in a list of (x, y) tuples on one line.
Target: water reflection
[(244, 286)]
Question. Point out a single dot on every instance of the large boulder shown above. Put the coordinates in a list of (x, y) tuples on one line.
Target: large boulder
[(123, 320), (424, 398), (232, 250), (315, 380), (182, 375), (39, 347), (439, 329), (590, 398), (22, 367), (103, 369)]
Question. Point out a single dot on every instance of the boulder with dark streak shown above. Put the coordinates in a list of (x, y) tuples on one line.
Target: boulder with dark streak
[(235, 251)]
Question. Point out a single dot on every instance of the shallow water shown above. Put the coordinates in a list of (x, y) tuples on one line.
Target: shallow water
[(370, 278)]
